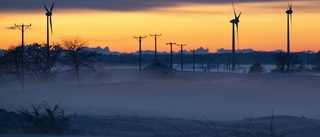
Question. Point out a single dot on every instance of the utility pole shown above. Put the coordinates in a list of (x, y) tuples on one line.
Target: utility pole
[(194, 60), (181, 49), (229, 64), (140, 38), (170, 43), (155, 36), (308, 59), (209, 65), (22, 28), (202, 67)]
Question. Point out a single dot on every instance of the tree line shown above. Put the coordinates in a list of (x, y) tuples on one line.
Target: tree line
[(72, 53), (44, 63)]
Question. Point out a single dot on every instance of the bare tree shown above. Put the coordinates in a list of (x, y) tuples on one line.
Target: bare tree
[(316, 61), (281, 60), (11, 61), (1, 65), (76, 56), (40, 63)]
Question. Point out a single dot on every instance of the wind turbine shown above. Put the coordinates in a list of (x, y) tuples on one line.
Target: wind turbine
[(289, 19), (49, 20), (234, 22)]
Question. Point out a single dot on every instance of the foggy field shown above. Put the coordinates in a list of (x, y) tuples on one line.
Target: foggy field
[(194, 95), (188, 95)]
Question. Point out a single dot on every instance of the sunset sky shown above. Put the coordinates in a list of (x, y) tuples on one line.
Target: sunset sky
[(193, 22)]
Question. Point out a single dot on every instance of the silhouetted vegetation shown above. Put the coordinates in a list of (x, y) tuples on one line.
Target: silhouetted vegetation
[(9, 122), (1, 67), (242, 58), (158, 70), (76, 57), (281, 59), (11, 61), (256, 68), (41, 63), (316, 61), (42, 119)]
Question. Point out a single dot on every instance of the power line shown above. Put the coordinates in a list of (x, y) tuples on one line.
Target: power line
[(155, 36), (118, 39), (60, 35), (163, 40), (41, 30), (22, 28)]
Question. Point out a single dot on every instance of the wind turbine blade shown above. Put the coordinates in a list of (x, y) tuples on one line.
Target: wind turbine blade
[(239, 15), (291, 13), (238, 35), (51, 7), (290, 6), (51, 24), (46, 8), (291, 20), (234, 11)]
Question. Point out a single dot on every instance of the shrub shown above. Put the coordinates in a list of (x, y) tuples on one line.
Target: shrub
[(158, 70), (9, 122), (11, 61), (256, 68), (43, 119), (282, 60)]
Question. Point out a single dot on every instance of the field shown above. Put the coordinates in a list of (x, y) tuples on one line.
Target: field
[(116, 102)]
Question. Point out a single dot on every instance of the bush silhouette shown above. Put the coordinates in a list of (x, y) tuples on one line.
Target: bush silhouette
[(158, 70), (256, 68), (42, 119)]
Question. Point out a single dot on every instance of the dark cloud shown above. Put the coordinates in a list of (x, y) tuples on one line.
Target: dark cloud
[(111, 5), (11, 28)]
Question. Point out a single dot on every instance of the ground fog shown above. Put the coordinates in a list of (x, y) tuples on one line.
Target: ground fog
[(190, 95)]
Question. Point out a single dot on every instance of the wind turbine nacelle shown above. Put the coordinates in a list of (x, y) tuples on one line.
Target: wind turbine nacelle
[(289, 11), (48, 14), (234, 21)]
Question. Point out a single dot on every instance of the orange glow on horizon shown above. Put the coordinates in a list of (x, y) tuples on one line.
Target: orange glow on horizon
[(195, 25)]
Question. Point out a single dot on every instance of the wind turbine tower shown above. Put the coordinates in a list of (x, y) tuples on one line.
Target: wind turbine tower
[(289, 19), (49, 20), (235, 23)]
